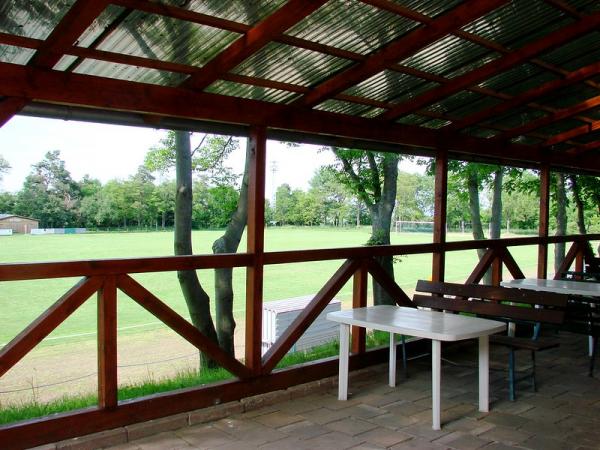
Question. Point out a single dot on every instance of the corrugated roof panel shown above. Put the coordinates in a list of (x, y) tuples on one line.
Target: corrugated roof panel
[(352, 25), (33, 19), (391, 86), (15, 55), (455, 102), (248, 12), (435, 124), (342, 107), (129, 73), (569, 96), (252, 92), (430, 8), (288, 64), (372, 113), (99, 25), (560, 127), (576, 53), (526, 140), (412, 119), (516, 117), (590, 137), (481, 132), (449, 55), (470, 106), (519, 22), (167, 39), (519, 79)]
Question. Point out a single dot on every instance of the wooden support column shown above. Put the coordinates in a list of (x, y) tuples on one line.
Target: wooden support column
[(107, 344), (497, 271), (359, 300), (580, 258), (256, 241), (439, 217), (544, 220)]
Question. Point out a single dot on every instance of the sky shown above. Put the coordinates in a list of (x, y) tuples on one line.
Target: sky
[(107, 152)]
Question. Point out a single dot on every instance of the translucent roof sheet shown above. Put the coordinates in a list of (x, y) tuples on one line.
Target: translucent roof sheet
[(390, 86), (15, 55), (519, 79), (430, 8), (517, 117), (128, 73), (519, 22), (560, 126), (342, 107), (449, 56), (577, 53), (32, 18), (248, 12), (288, 64), (252, 92), (352, 25)]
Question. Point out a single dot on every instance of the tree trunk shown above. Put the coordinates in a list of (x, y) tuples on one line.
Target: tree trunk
[(229, 243), (578, 205), (196, 298), (561, 220), (496, 221), (475, 211), (381, 221)]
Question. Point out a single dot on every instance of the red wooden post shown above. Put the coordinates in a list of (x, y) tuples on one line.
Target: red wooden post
[(359, 300), (107, 344), (256, 241), (544, 218), (579, 259), (439, 217), (497, 271)]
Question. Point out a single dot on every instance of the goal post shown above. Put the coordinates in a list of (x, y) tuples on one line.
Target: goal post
[(413, 226)]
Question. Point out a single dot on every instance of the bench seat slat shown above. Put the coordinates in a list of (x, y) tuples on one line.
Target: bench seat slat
[(524, 343)]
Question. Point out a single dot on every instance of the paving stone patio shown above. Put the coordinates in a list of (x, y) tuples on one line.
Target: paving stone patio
[(563, 414)]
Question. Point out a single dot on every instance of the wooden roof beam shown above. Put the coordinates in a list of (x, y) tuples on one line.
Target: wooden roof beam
[(559, 114), (119, 95), (585, 148), (570, 134), (528, 96), (252, 41), (400, 49), (559, 37), (9, 107)]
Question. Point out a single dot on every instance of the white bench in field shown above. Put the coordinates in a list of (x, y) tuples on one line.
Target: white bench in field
[(279, 314), (6, 232)]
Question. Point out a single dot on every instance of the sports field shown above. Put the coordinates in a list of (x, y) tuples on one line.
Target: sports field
[(23, 301), (65, 362)]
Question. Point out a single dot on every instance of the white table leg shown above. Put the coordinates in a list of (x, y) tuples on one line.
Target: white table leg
[(392, 382), (344, 351), (436, 375), (590, 346), (484, 373)]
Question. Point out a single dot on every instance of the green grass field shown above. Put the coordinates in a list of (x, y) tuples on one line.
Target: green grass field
[(22, 301)]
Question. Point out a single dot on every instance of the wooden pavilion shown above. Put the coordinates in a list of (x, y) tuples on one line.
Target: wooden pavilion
[(514, 82)]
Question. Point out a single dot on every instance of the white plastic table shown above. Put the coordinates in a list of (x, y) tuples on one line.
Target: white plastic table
[(437, 326)]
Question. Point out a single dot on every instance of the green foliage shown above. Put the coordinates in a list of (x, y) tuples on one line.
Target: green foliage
[(414, 197), (4, 167)]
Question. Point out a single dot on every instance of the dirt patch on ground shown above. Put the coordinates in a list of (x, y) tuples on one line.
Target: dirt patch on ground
[(50, 372)]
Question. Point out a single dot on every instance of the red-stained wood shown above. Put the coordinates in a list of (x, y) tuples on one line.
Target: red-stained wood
[(585, 148), (511, 265), (308, 315), (9, 107), (551, 118), (107, 344), (439, 216), (527, 96), (85, 90), (79, 17), (571, 255), (256, 246), (387, 283), (67, 425), (496, 270), (359, 300), (400, 49), (499, 65), (181, 326), (573, 132), (253, 40), (542, 269), (41, 327), (482, 266), (28, 271)]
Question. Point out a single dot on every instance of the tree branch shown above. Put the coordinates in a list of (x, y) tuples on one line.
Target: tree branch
[(362, 193), (374, 177)]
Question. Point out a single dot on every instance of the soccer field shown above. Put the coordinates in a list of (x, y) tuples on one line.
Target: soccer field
[(22, 301)]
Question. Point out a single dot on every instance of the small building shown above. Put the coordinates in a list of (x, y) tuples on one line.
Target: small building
[(19, 224)]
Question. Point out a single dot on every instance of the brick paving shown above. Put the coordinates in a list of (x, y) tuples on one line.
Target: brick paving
[(563, 414)]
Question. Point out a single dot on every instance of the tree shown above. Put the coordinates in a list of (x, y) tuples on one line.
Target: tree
[(4, 167), (372, 176), (207, 158), (414, 199), (49, 193)]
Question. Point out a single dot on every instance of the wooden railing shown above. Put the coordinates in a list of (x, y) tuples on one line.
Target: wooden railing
[(107, 277)]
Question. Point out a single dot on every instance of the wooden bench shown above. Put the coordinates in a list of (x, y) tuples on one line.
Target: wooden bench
[(499, 303)]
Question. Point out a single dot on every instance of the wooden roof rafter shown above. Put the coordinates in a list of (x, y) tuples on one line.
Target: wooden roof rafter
[(572, 133), (399, 49), (524, 54)]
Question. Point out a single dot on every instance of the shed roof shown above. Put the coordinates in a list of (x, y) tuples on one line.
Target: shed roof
[(509, 81), (8, 216)]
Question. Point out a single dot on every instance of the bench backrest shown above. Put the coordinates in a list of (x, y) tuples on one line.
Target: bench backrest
[(493, 301)]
